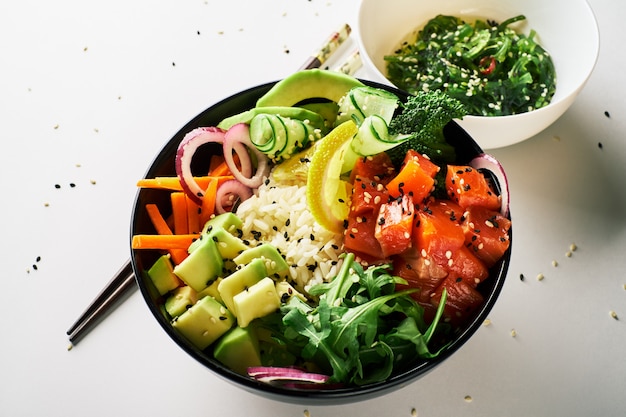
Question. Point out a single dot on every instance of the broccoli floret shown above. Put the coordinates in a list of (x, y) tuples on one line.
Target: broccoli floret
[(423, 117)]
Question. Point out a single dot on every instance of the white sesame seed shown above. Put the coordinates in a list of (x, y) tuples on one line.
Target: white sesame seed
[(540, 277)]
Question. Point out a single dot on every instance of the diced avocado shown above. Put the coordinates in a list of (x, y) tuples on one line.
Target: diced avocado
[(202, 266), (212, 291), (285, 291), (240, 280), (298, 113), (229, 246), (162, 275), (238, 349), (274, 262), (227, 221), (257, 301), (204, 322), (180, 300), (308, 84)]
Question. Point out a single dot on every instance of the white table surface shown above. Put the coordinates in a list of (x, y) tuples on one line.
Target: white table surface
[(90, 91)]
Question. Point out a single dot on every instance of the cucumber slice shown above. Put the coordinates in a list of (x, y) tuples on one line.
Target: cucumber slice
[(299, 113), (280, 137), (361, 102), (373, 137)]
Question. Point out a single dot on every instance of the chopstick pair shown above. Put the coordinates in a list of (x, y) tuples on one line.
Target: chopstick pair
[(332, 43), (110, 296), (124, 280)]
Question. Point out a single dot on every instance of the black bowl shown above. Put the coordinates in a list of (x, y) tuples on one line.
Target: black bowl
[(163, 165)]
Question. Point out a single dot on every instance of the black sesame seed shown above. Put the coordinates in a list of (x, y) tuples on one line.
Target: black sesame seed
[(57, 186), (606, 113), (600, 145), (521, 277)]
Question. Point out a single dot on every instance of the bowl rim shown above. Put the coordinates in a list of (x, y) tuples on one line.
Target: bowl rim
[(336, 395)]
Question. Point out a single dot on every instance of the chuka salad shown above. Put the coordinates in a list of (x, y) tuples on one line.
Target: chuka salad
[(328, 242), (490, 67)]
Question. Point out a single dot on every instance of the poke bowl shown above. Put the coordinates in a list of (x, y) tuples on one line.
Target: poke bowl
[(258, 285), (533, 29)]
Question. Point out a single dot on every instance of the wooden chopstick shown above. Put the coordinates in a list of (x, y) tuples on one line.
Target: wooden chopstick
[(328, 47), (111, 295), (124, 280)]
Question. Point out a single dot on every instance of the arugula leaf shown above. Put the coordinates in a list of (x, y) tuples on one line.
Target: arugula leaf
[(362, 327)]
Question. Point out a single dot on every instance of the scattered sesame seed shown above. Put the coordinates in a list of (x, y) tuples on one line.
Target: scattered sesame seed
[(522, 277), (413, 412), (513, 333), (573, 247), (69, 347), (613, 314), (555, 263), (468, 398), (540, 277), (607, 114), (568, 254), (487, 322)]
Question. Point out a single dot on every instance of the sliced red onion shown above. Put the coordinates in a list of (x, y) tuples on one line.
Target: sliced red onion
[(237, 139), (184, 154), (229, 192), (488, 162), (283, 374)]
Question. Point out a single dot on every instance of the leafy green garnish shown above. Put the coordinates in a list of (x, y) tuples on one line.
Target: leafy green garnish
[(362, 329)]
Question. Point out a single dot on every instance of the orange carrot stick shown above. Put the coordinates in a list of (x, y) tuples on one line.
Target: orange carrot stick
[(208, 202), (173, 183), (193, 216), (164, 242), (161, 227), (179, 211)]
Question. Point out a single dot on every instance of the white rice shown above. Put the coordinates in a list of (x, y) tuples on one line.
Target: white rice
[(278, 215)]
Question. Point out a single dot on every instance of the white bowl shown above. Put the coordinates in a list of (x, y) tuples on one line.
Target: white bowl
[(567, 29)]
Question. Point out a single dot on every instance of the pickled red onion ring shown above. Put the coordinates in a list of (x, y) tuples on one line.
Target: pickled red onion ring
[(184, 154), (488, 162), (237, 139), (228, 193)]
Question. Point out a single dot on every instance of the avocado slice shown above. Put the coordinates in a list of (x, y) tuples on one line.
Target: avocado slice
[(204, 322), (228, 245), (274, 262), (257, 301), (240, 280), (307, 85), (238, 350), (202, 266), (162, 275), (180, 300)]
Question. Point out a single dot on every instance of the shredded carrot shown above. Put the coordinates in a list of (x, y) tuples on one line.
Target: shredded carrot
[(164, 242), (161, 227), (173, 183), (208, 202), (179, 211)]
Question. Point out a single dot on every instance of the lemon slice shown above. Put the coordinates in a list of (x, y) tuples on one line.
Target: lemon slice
[(327, 194), (295, 170)]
